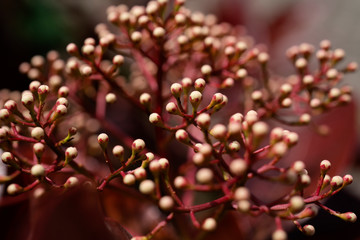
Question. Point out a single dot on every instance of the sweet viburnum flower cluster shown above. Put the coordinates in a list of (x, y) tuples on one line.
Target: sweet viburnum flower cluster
[(199, 82)]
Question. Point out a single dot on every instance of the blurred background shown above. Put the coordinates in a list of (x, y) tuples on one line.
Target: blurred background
[(30, 27)]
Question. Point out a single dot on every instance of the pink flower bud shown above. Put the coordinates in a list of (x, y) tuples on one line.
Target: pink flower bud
[(203, 120), (72, 49), (348, 179), (164, 163), (325, 166), (199, 84), (118, 151), (348, 216), (145, 99), (195, 98), (63, 91), (336, 182)]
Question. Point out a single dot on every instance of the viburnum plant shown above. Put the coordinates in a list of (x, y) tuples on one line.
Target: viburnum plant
[(202, 148)]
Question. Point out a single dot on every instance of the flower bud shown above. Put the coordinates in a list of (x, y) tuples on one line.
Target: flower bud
[(336, 182), (241, 193), (71, 182), (325, 166), (71, 153), (37, 170), (199, 84), (348, 179), (195, 99), (118, 152), (159, 32), (297, 204), (180, 182), (13, 189), (204, 175), (234, 146), (279, 149), (164, 163), (63, 91), (309, 230), (219, 132), (4, 114), (103, 140), (129, 179), (260, 129), (7, 158), (43, 91), (166, 203), (37, 133), (182, 136), (203, 120), (145, 99), (279, 234), (138, 145), (198, 159), (305, 118), (155, 119), (243, 206), (238, 167), (298, 166), (136, 37), (348, 216), (172, 108), (147, 187), (10, 105), (209, 224), (110, 98), (176, 90), (140, 173), (27, 99), (206, 70), (241, 73), (118, 60)]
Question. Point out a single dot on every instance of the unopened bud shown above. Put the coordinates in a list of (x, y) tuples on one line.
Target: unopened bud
[(238, 167), (166, 203), (209, 224), (103, 140), (129, 179), (71, 182), (147, 187)]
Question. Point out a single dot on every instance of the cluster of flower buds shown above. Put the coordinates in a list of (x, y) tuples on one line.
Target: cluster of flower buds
[(180, 63)]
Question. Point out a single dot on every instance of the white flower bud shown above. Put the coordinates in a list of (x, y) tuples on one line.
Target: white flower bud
[(37, 170), (305, 118), (180, 182), (71, 152), (27, 99), (63, 91), (159, 32), (37, 133), (204, 175), (308, 80), (4, 114), (129, 179), (138, 145), (103, 140), (332, 73), (164, 163), (118, 151), (195, 98), (182, 136), (198, 159), (300, 63), (325, 165), (71, 182), (176, 89), (238, 167), (209, 224), (234, 146), (241, 193), (166, 203), (147, 187), (206, 69), (243, 206), (241, 73), (172, 108), (260, 129), (110, 98), (136, 37), (140, 173), (71, 48), (297, 204), (199, 84), (155, 119), (154, 166), (7, 157), (219, 131), (336, 182), (13, 189), (279, 234), (279, 149), (309, 230), (10, 105), (203, 120)]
